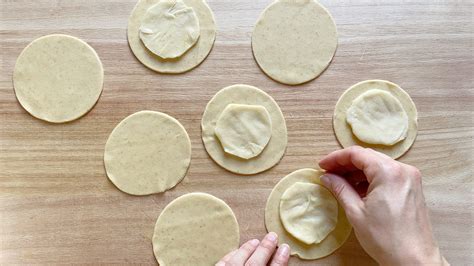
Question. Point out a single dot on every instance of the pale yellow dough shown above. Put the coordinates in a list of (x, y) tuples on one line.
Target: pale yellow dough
[(190, 59), (377, 117), (58, 78), (169, 28), (343, 129), (244, 130), (248, 95), (148, 152), (294, 40), (195, 229), (334, 240), (308, 212)]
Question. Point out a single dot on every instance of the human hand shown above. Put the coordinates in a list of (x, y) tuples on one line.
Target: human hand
[(258, 253), (383, 200)]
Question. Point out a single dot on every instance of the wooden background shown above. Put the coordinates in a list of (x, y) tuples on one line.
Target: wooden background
[(57, 205)]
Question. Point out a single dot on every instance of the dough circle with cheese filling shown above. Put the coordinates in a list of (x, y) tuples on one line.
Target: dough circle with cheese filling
[(244, 95), (334, 240), (187, 61), (344, 132)]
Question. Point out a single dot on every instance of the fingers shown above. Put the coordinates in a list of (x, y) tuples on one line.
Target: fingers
[(226, 258), (281, 256), (242, 254), (345, 194), (264, 251), (351, 159)]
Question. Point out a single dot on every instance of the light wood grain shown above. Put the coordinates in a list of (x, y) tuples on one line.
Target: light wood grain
[(57, 206)]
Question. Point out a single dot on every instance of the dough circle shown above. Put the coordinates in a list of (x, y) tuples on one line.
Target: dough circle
[(147, 152), (244, 94), (308, 212), (197, 228), (343, 130), (191, 58), (294, 41), (334, 240), (58, 78)]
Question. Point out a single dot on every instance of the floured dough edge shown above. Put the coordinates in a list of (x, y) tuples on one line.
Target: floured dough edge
[(192, 58), (343, 130), (327, 246)]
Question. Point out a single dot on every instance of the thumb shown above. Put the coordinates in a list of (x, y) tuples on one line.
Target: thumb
[(345, 195)]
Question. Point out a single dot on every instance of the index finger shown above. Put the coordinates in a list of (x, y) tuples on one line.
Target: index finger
[(352, 159)]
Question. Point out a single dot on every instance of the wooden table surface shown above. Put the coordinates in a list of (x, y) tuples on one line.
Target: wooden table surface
[(57, 205)]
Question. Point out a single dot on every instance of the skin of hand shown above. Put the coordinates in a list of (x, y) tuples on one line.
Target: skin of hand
[(258, 253), (383, 200)]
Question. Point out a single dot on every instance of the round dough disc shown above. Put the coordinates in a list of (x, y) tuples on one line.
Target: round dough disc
[(197, 228), (191, 58), (334, 240), (244, 94), (148, 152), (294, 41), (58, 78), (343, 130)]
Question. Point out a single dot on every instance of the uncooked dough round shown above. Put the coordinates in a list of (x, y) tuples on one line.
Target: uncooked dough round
[(377, 117), (249, 95), (169, 28), (191, 58), (294, 41), (334, 240), (244, 130), (308, 212), (58, 78), (195, 228), (343, 130), (148, 152)]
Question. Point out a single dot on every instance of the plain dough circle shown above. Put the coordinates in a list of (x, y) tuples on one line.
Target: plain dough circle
[(147, 152), (294, 41), (197, 228), (58, 78), (191, 58), (244, 94), (343, 130), (328, 245)]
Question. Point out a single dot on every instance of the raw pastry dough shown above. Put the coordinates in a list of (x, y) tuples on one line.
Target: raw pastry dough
[(58, 78), (148, 152), (294, 40), (193, 57), (328, 245), (343, 130), (197, 229), (308, 212), (377, 117), (169, 28), (244, 130), (244, 94)]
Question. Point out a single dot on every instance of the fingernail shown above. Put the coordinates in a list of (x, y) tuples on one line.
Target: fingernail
[(271, 237), (254, 242), (325, 179), (220, 263), (284, 250)]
